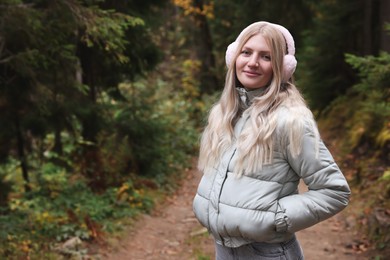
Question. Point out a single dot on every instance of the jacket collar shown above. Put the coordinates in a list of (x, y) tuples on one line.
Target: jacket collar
[(247, 96)]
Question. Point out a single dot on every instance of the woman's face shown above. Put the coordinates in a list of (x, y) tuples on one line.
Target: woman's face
[(253, 64)]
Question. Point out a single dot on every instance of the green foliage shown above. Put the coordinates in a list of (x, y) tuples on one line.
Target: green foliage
[(203, 257), (5, 184), (159, 129), (361, 117), (372, 121), (386, 179), (107, 30), (360, 124), (61, 209)]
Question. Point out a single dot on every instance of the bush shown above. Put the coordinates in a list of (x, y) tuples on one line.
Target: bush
[(61, 210)]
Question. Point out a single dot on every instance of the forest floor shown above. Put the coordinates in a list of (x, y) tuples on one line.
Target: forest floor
[(171, 232)]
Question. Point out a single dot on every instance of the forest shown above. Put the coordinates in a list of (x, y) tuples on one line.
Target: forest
[(102, 103)]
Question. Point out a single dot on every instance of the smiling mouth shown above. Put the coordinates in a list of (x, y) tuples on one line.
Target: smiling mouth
[(251, 73)]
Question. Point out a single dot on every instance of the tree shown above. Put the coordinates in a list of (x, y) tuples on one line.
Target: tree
[(56, 58), (19, 58), (338, 27), (199, 12)]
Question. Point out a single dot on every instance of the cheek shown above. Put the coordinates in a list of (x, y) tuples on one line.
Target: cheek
[(239, 63), (268, 69)]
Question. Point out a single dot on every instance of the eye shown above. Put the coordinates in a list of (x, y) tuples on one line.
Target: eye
[(246, 52), (266, 57)]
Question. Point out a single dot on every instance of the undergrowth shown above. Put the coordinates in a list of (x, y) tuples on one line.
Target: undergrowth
[(41, 221), (358, 126)]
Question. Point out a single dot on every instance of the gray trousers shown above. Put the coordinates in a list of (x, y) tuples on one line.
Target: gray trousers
[(289, 250)]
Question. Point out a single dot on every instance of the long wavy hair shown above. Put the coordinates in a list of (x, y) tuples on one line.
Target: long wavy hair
[(255, 144)]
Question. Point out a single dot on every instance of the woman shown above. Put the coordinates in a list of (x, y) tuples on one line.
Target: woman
[(260, 140)]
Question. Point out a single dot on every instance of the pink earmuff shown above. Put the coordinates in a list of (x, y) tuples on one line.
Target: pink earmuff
[(289, 61)]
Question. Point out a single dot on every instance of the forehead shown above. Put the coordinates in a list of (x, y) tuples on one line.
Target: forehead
[(257, 42)]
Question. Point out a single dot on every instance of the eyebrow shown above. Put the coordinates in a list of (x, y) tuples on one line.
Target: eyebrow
[(250, 49)]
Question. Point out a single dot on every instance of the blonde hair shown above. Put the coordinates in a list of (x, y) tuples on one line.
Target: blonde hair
[(256, 142)]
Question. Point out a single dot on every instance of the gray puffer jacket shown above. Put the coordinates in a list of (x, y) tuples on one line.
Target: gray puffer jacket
[(265, 206)]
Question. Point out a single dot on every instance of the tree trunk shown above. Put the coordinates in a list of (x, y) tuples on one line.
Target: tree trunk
[(384, 19), (90, 159), (367, 29), (90, 118), (376, 15), (204, 49), (21, 154)]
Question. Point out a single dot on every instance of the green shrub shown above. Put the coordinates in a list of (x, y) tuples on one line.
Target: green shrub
[(61, 209)]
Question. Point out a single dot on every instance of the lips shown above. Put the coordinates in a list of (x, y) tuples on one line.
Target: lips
[(251, 73)]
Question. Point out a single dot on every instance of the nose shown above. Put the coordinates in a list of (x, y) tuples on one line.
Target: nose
[(253, 62)]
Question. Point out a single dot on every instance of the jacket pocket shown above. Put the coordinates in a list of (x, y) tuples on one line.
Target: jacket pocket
[(281, 220)]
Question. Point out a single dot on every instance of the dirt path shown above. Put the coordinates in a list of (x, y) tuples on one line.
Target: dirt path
[(171, 232)]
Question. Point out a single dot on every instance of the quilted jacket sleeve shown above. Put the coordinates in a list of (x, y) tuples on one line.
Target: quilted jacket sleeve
[(328, 191)]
